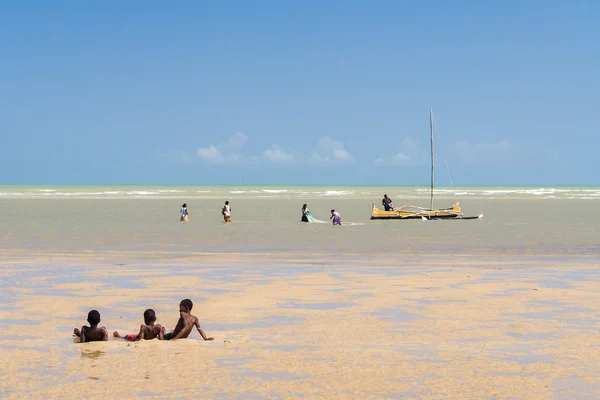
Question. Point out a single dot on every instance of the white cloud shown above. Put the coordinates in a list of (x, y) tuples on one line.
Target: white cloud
[(398, 159), (278, 155), (472, 153), (226, 152), (500, 151), (177, 156), (409, 153), (211, 155), (237, 140), (326, 151), (330, 151)]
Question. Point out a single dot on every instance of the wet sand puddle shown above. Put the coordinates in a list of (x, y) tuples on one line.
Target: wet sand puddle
[(329, 330)]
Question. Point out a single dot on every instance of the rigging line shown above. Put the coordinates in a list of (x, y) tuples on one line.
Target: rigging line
[(445, 159)]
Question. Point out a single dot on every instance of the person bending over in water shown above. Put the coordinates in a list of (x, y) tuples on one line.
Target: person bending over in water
[(184, 213), (387, 203), (185, 324), (226, 211), (305, 213), (92, 333), (148, 331), (336, 217)]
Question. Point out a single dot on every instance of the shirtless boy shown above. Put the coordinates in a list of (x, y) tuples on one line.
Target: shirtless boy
[(92, 333), (148, 331), (185, 324)]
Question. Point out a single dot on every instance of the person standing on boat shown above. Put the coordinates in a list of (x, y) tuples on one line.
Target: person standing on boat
[(184, 213), (305, 213), (387, 203), (336, 217)]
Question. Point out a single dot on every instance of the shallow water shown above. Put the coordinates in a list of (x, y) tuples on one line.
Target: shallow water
[(271, 224)]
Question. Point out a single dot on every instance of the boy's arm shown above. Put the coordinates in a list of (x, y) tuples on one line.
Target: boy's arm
[(197, 323), (161, 335), (104, 334), (142, 335), (82, 335)]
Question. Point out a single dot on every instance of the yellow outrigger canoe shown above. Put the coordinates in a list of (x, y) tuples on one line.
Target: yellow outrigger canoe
[(414, 212)]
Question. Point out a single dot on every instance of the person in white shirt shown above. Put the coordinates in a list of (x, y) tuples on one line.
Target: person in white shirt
[(336, 217), (226, 211)]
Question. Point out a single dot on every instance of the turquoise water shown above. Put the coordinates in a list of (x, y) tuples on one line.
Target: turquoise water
[(373, 193)]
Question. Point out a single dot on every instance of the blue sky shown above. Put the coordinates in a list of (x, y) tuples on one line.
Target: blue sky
[(311, 92)]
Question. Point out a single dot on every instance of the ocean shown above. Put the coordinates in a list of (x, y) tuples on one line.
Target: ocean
[(539, 221)]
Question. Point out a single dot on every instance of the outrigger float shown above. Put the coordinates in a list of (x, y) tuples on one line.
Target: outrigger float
[(414, 212)]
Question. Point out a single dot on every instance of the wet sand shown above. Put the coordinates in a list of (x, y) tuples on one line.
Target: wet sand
[(390, 326)]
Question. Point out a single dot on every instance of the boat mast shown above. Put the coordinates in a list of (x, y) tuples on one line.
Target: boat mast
[(431, 139)]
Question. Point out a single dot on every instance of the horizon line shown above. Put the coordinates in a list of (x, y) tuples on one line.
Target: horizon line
[(286, 185)]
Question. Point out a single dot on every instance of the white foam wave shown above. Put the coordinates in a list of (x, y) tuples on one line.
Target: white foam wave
[(244, 191), (336, 193), (109, 193), (142, 193)]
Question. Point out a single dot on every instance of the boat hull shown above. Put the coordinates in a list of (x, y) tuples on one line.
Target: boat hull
[(412, 212)]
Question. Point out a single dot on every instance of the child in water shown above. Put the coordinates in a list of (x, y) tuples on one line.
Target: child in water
[(148, 331), (184, 213), (336, 217), (92, 333)]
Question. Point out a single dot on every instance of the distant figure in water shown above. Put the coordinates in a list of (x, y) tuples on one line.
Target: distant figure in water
[(336, 217), (92, 333), (226, 211), (148, 331), (305, 213), (387, 203), (184, 213)]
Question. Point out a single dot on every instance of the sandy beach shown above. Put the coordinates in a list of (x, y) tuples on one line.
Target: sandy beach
[(405, 327)]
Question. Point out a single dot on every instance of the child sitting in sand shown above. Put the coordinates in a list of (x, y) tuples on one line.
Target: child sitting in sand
[(185, 324), (336, 217), (148, 331), (92, 333)]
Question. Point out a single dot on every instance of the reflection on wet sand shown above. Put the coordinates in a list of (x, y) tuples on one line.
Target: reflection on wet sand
[(342, 329)]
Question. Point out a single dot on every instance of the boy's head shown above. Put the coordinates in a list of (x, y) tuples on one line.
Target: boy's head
[(332, 211), (149, 316), (186, 306), (227, 203), (93, 317)]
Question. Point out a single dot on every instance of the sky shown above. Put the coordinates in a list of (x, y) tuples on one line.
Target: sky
[(308, 92)]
